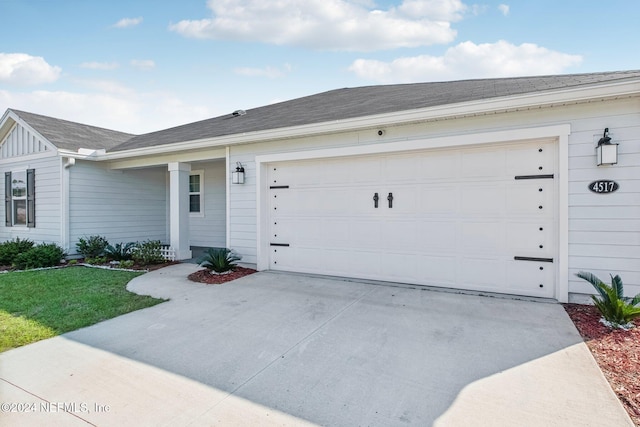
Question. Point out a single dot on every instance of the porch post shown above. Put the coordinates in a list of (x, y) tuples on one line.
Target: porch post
[(179, 209)]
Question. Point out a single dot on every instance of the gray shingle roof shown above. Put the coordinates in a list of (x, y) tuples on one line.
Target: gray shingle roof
[(365, 101), (70, 135)]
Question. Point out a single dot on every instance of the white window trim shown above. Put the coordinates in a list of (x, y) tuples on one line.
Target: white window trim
[(200, 193)]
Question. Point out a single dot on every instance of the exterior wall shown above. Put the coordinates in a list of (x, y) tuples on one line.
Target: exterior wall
[(209, 229), (48, 202), (121, 205), (604, 230)]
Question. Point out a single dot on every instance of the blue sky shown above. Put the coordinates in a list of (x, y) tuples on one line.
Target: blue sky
[(144, 65)]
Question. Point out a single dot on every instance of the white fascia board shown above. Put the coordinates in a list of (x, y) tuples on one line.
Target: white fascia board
[(509, 103)]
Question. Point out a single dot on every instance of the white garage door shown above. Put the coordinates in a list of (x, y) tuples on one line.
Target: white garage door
[(481, 219)]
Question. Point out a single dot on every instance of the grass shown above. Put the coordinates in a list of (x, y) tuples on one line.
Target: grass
[(41, 304)]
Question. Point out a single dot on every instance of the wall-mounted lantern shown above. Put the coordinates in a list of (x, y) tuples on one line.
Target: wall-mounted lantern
[(606, 152), (237, 176)]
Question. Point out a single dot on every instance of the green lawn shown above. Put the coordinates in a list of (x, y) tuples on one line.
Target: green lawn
[(41, 304)]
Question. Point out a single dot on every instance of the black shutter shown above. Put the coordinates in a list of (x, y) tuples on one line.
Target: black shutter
[(31, 198), (7, 199)]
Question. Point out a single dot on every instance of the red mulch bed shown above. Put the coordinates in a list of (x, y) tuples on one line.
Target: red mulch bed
[(617, 352), (204, 276)]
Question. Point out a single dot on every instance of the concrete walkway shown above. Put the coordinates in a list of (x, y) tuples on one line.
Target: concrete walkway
[(279, 349)]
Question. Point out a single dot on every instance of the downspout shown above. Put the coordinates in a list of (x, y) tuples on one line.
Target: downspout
[(228, 202), (66, 164)]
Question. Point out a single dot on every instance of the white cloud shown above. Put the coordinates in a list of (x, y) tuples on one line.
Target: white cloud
[(24, 69), (143, 64), (350, 25), (268, 71), (122, 110), (504, 8), (99, 65), (468, 60), (128, 22)]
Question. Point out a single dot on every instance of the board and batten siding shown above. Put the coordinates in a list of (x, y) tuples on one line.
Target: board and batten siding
[(604, 230), (121, 205), (22, 141), (48, 201), (209, 229)]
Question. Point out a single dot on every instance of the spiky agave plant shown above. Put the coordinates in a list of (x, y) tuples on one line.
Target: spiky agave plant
[(219, 260), (619, 311)]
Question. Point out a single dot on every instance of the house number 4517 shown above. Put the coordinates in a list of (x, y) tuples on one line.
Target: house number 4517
[(603, 186)]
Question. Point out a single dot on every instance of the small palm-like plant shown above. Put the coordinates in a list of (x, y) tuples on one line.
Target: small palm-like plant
[(219, 260), (120, 251), (619, 311)]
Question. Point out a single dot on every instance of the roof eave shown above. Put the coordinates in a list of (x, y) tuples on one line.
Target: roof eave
[(471, 108)]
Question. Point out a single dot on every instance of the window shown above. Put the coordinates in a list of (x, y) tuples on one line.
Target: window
[(196, 191), (20, 198)]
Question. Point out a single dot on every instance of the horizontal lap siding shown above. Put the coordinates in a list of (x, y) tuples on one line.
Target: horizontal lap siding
[(604, 229), (210, 230), (123, 206), (47, 174)]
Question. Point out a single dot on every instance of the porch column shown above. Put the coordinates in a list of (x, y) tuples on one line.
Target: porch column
[(179, 209)]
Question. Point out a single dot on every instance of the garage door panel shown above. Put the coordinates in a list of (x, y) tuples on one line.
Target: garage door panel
[(401, 235), (439, 236), (487, 163), (484, 273), (527, 237), (438, 200), (437, 270), (460, 218), (529, 160), (531, 278), (530, 198), (482, 237), (438, 166), (483, 200)]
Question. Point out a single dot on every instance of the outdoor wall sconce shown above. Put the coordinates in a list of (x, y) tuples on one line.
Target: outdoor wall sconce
[(606, 152), (237, 176)]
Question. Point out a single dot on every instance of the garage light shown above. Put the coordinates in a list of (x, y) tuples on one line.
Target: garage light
[(606, 152), (237, 176)]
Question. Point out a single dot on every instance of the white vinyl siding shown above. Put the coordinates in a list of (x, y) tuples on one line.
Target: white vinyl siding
[(121, 205), (594, 219), (208, 229), (47, 180)]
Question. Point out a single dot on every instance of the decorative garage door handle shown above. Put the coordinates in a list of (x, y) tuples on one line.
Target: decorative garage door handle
[(375, 200), (390, 199), (528, 258)]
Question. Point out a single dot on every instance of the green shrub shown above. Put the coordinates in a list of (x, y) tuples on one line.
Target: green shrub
[(92, 246), (39, 256), (617, 310), (120, 251), (219, 259), (10, 249), (96, 260), (126, 264), (148, 252), (73, 262)]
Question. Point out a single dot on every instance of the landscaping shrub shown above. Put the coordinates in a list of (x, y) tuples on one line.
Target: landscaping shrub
[(219, 259), (617, 310), (148, 252), (92, 246), (120, 251), (39, 256), (126, 264), (9, 250)]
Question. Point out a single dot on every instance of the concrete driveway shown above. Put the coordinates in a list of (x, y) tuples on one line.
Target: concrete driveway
[(280, 349)]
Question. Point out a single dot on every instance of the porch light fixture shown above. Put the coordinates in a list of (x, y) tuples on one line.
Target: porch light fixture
[(237, 176), (606, 152)]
